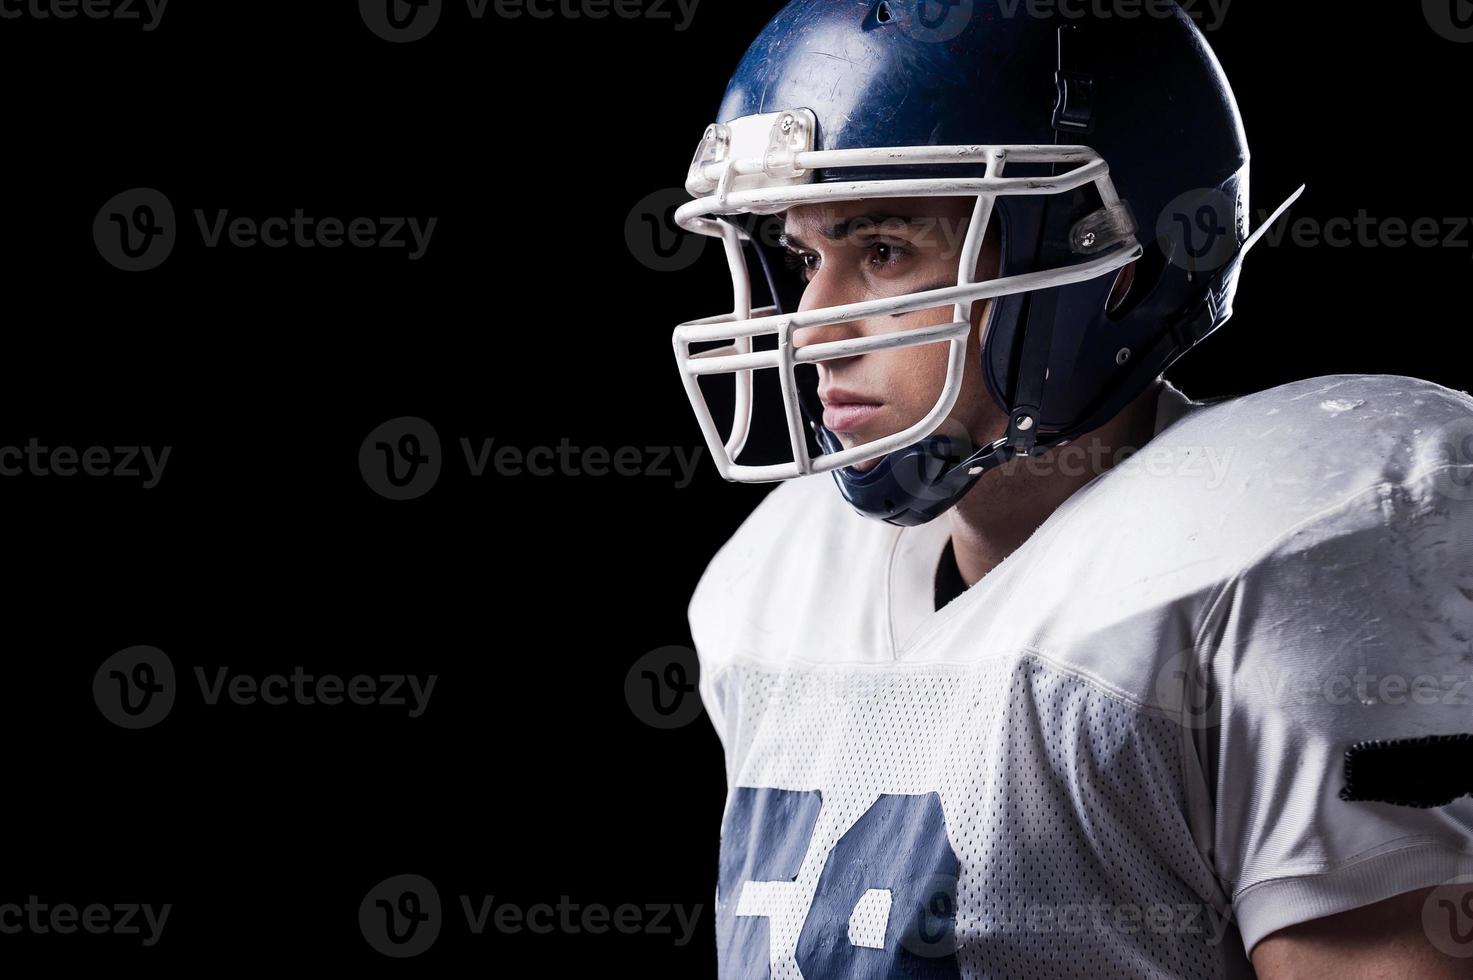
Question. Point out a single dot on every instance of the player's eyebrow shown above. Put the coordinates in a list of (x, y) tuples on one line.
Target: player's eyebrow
[(840, 230)]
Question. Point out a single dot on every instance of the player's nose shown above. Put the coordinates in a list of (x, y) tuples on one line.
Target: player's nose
[(822, 294)]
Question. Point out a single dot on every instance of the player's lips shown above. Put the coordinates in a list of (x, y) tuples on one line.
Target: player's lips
[(845, 411)]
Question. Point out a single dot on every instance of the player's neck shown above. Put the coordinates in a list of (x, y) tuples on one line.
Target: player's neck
[(1008, 504)]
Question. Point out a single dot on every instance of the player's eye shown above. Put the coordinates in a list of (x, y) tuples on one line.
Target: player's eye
[(888, 255), (799, 263)]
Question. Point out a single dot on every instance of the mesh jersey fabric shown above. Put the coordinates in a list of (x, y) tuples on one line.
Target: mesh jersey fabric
[(1119, 754)]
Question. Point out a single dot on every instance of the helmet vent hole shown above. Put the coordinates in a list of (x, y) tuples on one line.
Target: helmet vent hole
[(882, 12)]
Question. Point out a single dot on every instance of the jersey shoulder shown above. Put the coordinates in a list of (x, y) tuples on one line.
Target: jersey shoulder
[(1264, 462), (1343, 526), (1143, 554)]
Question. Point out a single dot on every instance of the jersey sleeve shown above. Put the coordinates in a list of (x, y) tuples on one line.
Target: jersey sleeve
[(1343, 660)]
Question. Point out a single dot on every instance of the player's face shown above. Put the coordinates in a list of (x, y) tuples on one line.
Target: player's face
[(852, 251)]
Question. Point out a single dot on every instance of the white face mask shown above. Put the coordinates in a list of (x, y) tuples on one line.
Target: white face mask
[(763, 164)]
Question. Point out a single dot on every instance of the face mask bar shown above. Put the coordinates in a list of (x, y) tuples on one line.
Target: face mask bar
[(779, 177)]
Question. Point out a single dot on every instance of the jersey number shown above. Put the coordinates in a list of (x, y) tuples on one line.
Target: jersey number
[(885, 905)]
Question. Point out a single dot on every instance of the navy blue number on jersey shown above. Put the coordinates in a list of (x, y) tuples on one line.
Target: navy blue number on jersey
[(895, 861)]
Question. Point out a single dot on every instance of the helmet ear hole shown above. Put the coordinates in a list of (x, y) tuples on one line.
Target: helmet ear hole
[(1124, 279), (1135, 282)]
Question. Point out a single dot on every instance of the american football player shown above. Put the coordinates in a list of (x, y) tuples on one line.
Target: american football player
[(1074, 675)]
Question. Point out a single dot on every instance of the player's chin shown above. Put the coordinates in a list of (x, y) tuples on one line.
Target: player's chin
[(864, 465)]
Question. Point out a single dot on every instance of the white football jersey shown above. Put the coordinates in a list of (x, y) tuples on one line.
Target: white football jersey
[(1216, 693)]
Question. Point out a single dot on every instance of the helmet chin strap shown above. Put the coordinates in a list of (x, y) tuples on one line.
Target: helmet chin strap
[(917, 484)]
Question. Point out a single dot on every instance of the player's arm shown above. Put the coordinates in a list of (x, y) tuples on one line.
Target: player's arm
[(1388, 940)]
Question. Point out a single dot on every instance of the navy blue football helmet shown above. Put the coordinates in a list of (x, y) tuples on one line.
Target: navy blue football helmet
[(1095, 142)]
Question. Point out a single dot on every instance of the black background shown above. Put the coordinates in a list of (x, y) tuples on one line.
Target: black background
[(530, 319)]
